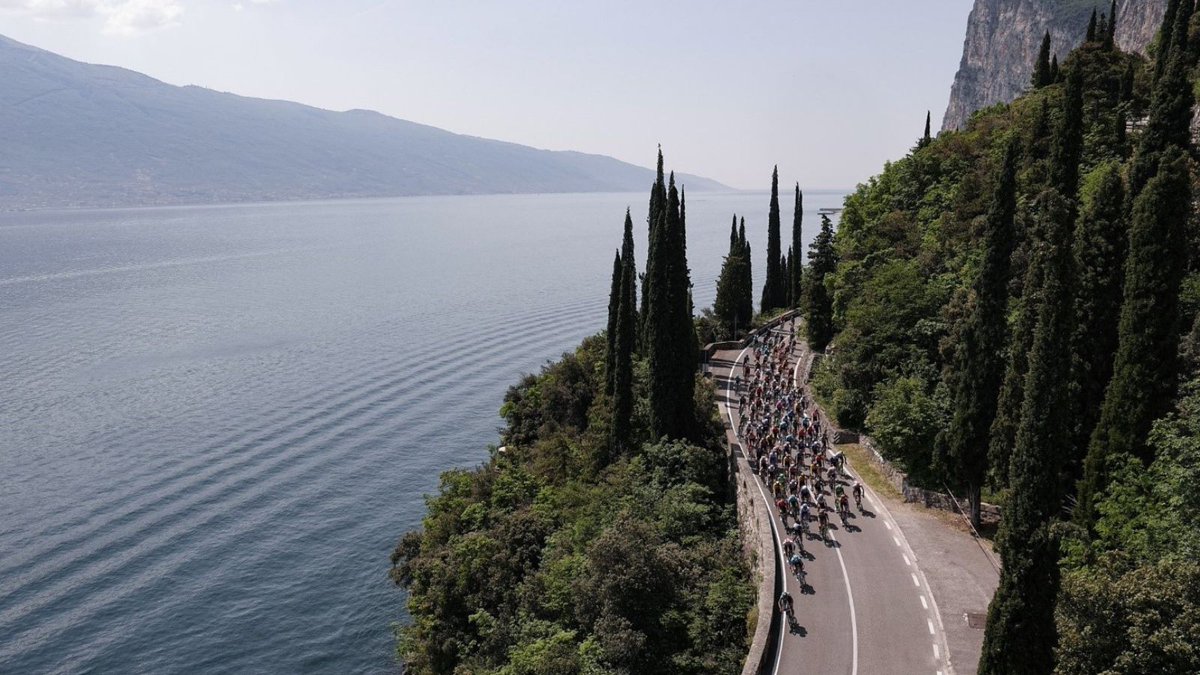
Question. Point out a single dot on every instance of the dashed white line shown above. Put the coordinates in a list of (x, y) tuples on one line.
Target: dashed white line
[(916, 581), (937, 654), (896, 540), (906, 560), (923, 603), (887, 524), (930, 623)]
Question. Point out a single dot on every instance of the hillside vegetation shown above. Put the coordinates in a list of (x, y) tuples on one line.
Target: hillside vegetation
[(1015, 307)]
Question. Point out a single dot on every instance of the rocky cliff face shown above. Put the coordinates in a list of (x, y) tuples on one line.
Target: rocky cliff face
[(1003, 37)]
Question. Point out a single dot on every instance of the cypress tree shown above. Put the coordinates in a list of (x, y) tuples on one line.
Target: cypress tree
[(1041, 67), (772, 285), (614, 303), (1055, 73), (1068, 140), (1110, 36), (670, 334), (1098, 253), (822, 261), (658, 200), (728, 303), (1020, 635), (1168, 122), (796, 276), (746, 313), (1091, 28), (977, 370), (926, 139), (1146, 363), (626, 329), (1166, 33)]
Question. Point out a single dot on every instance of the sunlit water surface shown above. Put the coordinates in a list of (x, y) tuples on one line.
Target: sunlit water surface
[(217, 421)]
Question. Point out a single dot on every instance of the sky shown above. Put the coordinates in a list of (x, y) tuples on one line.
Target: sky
[(828, 90)]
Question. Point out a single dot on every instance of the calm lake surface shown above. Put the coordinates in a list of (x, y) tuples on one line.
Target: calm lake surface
[(217, 421)]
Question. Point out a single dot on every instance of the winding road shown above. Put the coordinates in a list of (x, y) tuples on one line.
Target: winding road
[(866, 606)]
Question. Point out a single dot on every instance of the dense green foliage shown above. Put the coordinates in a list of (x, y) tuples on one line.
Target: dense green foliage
[(671, 347), (774, 292), (1080, 347), (732, 311), (822, 261), (552, 558), (796, 260)]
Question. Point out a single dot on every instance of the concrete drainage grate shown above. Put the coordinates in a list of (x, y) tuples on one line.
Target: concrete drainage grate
[(977, 620)]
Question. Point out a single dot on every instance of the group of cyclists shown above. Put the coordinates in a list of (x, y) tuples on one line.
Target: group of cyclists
[(786, 443)]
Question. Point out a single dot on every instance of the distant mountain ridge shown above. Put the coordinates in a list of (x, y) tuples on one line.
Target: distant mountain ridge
[(81, 135), (1003, 37)]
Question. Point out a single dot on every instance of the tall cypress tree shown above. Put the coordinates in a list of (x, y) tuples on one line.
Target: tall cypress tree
[(1021, 635), (746, 312), (977, 370), (1110, 35), (796, 273), (1145, 367), (1098, 253), (728, 303), (926, 138), (671, 335), (1068, 140), (656, 212), (1091, 28), (773, 283), (626, 329), (1041, 67), (822, 261), (1166, 33), (614, 303), (1168, 122)]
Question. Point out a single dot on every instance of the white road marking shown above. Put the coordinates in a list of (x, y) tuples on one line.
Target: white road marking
[(930, 622), (906, 560), (937, 654), (896, 540), (887, 524), (916, 581), (923, 603)]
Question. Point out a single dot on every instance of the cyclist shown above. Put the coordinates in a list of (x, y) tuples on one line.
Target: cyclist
[(858, 494), (844, 507), (797, 564), (823, 518), (789, 548), (785, 606)]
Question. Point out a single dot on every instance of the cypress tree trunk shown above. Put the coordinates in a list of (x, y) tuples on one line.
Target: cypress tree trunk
[(1021, 634), (977, 371), (1146, 364)]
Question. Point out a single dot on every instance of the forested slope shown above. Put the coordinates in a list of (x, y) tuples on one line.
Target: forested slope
[(1015, 307)]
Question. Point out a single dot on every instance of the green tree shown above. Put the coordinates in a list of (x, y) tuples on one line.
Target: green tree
[(670, 331), (822, 259), (656, 212), (1067, 145), (1143, 380), (746, 311), (626, 329), (1020, 636), (1110, 34), (1168, 122), (728, 303), (1091, 28), (1041, 67), (796, 271), (1099, 256), (977, 371), (926, 139), (774, 283), (614, 303)]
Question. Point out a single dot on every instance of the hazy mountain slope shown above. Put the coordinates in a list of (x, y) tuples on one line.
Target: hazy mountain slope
[(74, 134), (1003, 37)]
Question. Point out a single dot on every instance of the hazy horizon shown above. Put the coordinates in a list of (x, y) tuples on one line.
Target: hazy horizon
[(794, 90)]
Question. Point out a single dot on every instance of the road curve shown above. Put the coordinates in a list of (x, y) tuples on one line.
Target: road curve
[(866, 607)]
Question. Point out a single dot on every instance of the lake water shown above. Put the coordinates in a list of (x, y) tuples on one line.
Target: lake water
[(217, 421)]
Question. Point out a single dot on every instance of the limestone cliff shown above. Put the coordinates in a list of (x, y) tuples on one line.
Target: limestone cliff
[(1003, 37)]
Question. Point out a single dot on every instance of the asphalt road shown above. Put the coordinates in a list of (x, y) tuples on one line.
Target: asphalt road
[(866, 607)]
